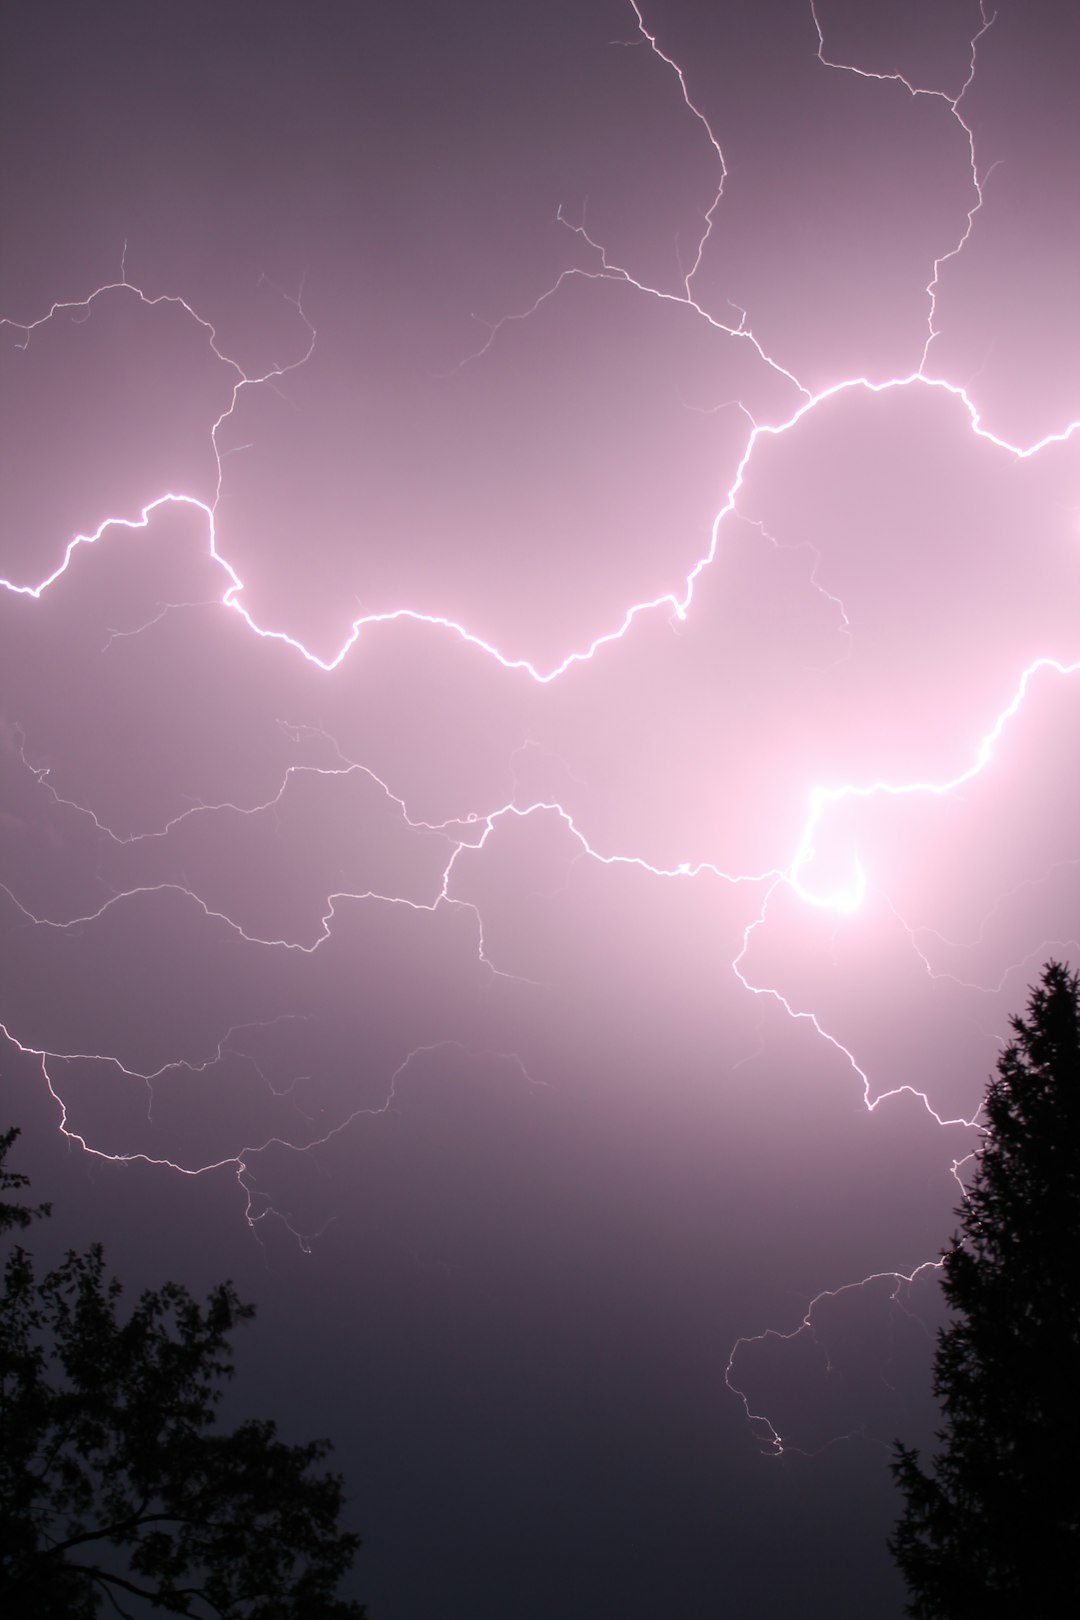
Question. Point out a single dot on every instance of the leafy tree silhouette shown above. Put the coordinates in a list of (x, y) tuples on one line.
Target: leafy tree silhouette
[(111, 1484), (994, 1529)]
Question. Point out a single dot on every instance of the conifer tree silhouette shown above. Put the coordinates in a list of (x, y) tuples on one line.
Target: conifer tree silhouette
[(993, 1530)]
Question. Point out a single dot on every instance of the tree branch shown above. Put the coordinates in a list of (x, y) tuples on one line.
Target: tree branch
[(160, 1600), (108, 1531)]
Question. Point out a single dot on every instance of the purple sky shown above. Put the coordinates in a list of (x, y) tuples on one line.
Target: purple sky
[(522, 833)]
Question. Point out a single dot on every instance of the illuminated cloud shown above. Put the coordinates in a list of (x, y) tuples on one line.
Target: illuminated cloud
[(569, 589)]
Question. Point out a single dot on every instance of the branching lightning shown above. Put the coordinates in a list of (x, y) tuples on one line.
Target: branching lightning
[(474, 831)]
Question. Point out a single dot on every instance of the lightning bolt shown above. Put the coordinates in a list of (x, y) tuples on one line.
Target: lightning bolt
[(257, 1206), (471, 833)]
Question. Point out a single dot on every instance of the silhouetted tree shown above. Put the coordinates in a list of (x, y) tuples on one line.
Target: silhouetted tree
[(110, 1481), (994, 1529), (13, 1214)]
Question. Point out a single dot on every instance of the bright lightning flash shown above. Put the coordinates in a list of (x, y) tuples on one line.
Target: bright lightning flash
[(473, 831)]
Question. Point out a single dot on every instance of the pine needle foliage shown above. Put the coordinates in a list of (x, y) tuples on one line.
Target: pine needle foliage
[(992, 1529)]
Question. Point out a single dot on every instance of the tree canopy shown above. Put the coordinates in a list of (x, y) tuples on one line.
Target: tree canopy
[(993, 1530), (113, 1482)]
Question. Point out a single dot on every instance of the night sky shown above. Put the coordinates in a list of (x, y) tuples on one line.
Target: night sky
[(539, 682)]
